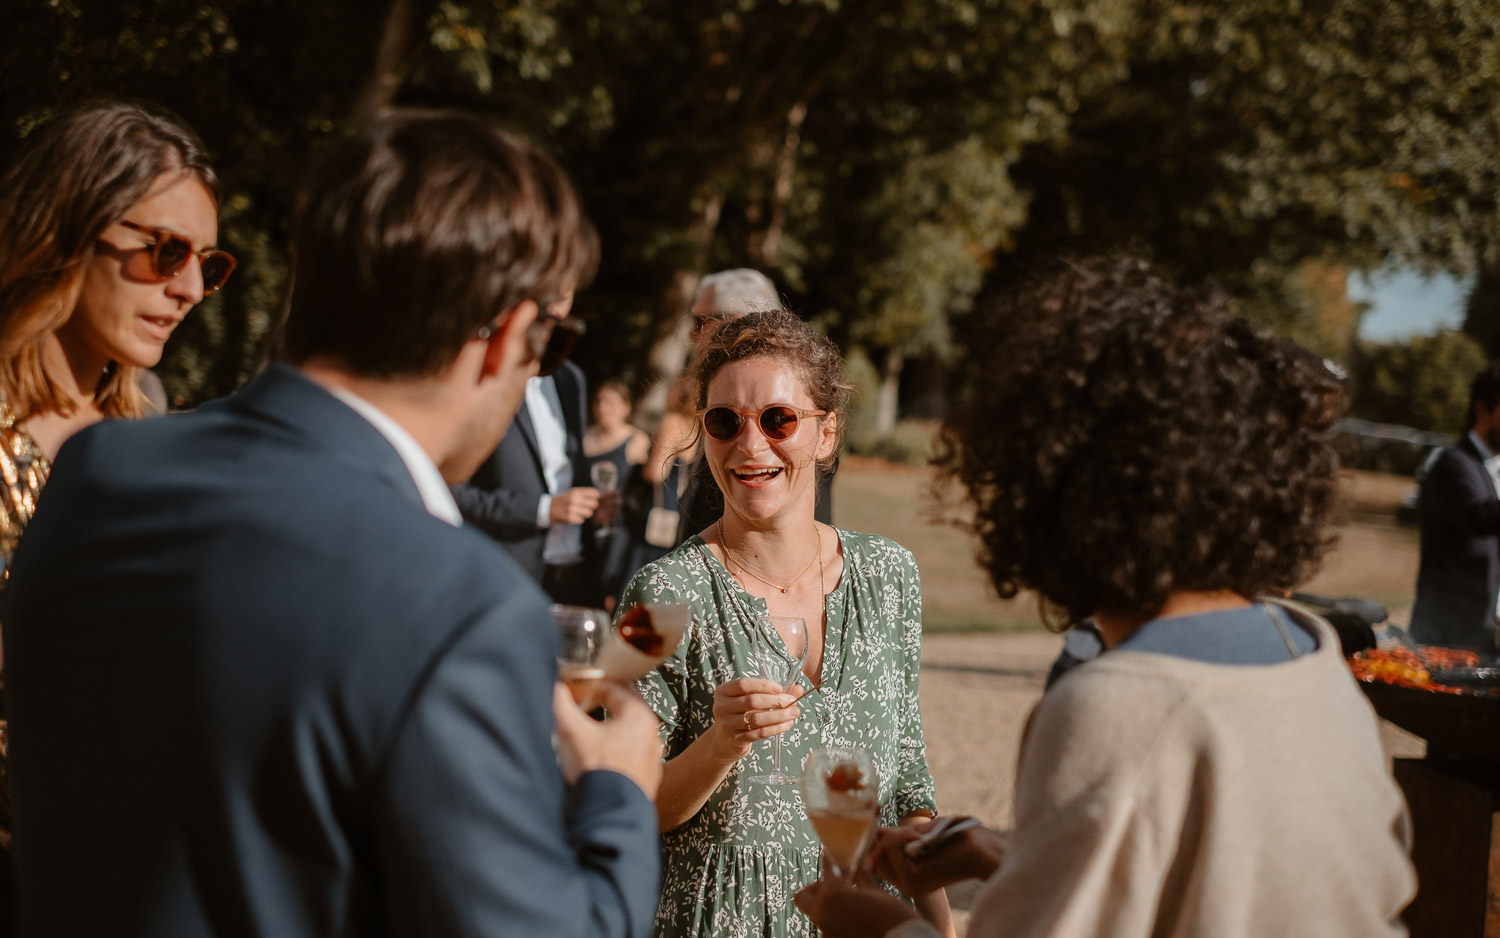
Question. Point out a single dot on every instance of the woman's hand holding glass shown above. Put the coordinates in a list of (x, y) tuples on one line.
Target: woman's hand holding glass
[(749, 709)]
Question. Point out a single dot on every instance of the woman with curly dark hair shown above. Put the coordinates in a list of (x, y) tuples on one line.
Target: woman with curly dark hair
[(1147, 460)]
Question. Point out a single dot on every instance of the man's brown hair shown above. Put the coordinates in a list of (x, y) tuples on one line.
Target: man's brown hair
[(419, 230)]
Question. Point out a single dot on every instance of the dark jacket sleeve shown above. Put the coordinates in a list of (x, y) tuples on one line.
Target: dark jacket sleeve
[(502, 514), (478, 834), (1457, 490)]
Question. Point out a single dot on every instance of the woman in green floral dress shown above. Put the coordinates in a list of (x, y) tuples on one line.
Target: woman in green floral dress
[(772, 396)]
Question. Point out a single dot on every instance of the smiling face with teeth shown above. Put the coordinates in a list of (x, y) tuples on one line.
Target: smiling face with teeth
[(125, 312), (765, 481)]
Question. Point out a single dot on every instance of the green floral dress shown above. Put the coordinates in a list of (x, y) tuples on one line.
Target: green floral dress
[(731, 871)]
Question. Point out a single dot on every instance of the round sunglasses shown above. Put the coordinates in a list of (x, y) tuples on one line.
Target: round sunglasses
[(170, 253), (779, 422)]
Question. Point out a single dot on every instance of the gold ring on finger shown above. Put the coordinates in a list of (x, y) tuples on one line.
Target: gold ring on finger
[(747, 720)]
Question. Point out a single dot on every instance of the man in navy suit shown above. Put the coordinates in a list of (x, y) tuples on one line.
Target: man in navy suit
[(1458, 583), (261, 682)]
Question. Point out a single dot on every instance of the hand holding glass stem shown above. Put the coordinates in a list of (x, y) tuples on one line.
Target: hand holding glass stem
[(781, 662)]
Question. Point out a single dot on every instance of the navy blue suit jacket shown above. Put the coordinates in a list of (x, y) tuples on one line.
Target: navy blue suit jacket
[(1459, 577), (255, 689), (502, 497)]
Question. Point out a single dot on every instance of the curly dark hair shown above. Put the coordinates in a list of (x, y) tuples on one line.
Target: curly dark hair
[(1124, 439), (780, 334)]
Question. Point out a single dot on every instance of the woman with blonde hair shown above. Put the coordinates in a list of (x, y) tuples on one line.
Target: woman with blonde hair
[(108, 231)]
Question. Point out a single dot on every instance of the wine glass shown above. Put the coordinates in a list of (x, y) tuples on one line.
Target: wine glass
[(841, 794), (581, 632), (606, 477), (778, 656)]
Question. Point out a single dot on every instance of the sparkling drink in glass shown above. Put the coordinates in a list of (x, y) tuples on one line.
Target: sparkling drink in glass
[(580, 632), (841, 794), (606, 478)]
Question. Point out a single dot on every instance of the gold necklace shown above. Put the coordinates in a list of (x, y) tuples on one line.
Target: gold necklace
[(732, 562)]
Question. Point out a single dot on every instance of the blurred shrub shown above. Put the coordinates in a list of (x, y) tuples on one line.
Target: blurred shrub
[(861, 434), (910, 443), (1422, 384)]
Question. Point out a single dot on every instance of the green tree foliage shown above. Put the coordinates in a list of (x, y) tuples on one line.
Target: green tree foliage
[(1482, 310), (263, 81), (885, 160), (1243, 139), (1422, 384)]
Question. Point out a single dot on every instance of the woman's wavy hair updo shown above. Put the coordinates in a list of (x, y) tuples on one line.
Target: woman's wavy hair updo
[(1124, 439), (779, 334)]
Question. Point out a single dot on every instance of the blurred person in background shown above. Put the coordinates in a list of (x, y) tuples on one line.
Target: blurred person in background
[(1458, 582), (772, 400), (674, 452), (1146, 459), (613, 442), (723, 297)]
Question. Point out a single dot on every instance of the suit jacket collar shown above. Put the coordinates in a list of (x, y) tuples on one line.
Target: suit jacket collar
[(1467, 447), (299, 406), (570, 389)]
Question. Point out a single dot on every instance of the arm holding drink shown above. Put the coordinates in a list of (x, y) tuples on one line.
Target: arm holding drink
[(746, 710)]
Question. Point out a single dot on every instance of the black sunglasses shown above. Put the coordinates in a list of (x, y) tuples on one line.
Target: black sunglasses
[(779, 422), (550, 340), (170, 253)]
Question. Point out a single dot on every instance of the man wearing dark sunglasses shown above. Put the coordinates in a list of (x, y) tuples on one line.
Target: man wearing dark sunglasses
[(342, 709), (524, 494)]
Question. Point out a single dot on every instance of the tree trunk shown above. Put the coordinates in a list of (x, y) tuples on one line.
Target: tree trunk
[(890, 387), (670, 323), (766, 245), (397, 41)]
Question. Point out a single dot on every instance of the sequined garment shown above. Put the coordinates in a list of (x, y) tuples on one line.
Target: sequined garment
[(23, 469)]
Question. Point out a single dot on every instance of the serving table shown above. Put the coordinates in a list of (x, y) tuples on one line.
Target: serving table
[(1454, 797)]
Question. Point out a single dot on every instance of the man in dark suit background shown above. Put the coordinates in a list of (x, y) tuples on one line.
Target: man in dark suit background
[(1458, 583), (527, 495), (260, 680)]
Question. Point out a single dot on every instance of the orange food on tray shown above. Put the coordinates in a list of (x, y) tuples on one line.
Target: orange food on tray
[(1438, 657), (1405, 668)]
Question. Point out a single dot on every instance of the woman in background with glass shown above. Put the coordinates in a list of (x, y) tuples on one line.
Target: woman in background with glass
[(772, 397), (615, 451)]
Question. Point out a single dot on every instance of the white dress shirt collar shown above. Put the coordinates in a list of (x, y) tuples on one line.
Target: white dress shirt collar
[(1491, 461), (429, 481)]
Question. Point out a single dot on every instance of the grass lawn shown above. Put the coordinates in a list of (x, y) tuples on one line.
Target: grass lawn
[(1374, 557)]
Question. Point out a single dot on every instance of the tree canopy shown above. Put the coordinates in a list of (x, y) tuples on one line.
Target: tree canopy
[(887, 161)]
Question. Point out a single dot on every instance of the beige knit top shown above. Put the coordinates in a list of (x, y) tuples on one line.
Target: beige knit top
[(1160, 796)]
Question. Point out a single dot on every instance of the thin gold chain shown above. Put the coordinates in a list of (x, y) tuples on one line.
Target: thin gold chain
[(817, 558)]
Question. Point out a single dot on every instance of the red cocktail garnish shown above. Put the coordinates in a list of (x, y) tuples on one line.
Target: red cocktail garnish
[(636, 630), (846, 777)]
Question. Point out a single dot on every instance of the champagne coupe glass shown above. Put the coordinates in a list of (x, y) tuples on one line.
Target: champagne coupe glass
[(606, 477), (778, 656), (581, 633), (841, 794)]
